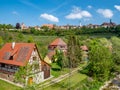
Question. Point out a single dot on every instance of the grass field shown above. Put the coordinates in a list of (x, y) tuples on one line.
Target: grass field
[(7, 86), (64, 85)]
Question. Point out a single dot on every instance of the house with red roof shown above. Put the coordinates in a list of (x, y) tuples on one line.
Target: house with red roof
[(57, 44), (50, 26), (84, 49), (16, 55)]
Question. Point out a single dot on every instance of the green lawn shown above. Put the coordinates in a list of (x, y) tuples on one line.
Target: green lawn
[(7, 86), (64, 85), (58, 73)]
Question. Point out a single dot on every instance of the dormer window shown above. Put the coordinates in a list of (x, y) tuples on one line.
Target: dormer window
[(8, 56), (11, 58)]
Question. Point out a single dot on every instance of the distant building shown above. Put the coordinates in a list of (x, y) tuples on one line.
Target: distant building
[(107, 25), (23, 26), (58, 44), (50, 26), (67, 27), (15, 55), (37, 27), (93, 26)]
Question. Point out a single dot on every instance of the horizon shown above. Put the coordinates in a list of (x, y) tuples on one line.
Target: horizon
[(61, 12)]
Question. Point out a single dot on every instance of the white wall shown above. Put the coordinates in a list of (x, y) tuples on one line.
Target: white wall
[(39, 77)]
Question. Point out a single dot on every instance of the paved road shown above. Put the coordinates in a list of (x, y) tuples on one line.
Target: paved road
[(56, 80)]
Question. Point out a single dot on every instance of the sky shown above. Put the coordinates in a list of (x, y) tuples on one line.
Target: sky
[(59, 12)]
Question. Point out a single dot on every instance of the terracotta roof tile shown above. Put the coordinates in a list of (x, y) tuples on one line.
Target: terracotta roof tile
[(21, 53), (58, 41)]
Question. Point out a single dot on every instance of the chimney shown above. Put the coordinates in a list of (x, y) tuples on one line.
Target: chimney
[(13, 45)]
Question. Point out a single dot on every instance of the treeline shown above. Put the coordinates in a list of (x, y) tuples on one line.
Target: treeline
[(77, 31), (61, 32), (6, 26), (104, 59)]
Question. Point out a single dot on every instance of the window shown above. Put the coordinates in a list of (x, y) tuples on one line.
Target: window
[(11, 57), (62, 47), (34, 58), (6, 66), (3, 65), (11, 67)]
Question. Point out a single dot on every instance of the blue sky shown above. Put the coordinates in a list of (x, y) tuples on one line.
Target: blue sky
[(59, 12)]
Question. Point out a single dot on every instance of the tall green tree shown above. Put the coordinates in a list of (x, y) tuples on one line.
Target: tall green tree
[(18, 26), (116, 52), (60, 58), (74, 52), (1, 41), (100, 61)]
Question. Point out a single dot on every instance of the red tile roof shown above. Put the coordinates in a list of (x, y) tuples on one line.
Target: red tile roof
[(58, 42), (84, 48), (48, 25), (21, 53)]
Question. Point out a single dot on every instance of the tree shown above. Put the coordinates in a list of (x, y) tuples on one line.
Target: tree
[(18, 26), (100, 61), (4, 27), (74, 52), (1, 41), (116, 52), (20, 37), (60, 56), (46, 28), (9, 26), (22, 73), (59, 59), (30, 39)]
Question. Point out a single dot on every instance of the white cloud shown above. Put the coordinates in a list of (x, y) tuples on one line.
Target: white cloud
[(89, 6), (107, 13), (15, 13), (49, 17), (117, 7), (77, 13)]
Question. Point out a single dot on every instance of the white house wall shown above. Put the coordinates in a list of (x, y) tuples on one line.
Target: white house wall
[(39, 77), (35, 54)]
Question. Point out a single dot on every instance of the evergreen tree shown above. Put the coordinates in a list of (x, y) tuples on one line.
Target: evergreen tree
[(18, 26), (74, 52)]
